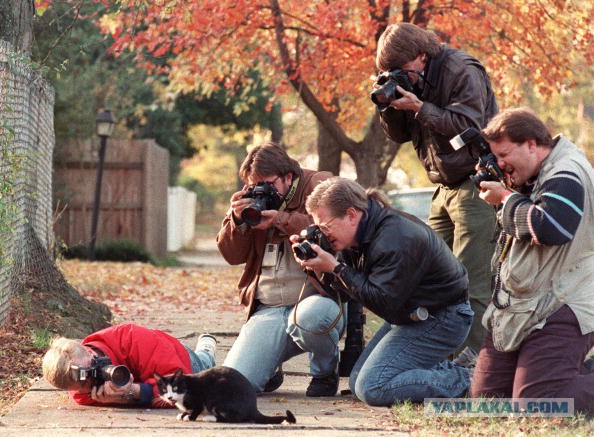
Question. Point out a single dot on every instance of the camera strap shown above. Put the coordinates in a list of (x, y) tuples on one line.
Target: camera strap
[(290, 194), (318, 286), (497, 285)]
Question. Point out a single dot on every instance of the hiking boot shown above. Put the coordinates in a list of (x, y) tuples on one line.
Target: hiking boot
[(466, 358), (208, 343), (276, 381), (323, 386)]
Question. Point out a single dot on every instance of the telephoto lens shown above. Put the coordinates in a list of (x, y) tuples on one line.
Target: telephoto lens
[(119, 375)]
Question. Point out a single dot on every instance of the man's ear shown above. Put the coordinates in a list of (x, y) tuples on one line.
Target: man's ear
[(532, 145), (351, 213), (289, 179)]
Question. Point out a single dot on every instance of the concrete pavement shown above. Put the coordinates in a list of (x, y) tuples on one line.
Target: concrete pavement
[(45, 411)]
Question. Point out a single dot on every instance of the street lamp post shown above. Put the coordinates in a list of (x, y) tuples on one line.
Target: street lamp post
[(105, 124)]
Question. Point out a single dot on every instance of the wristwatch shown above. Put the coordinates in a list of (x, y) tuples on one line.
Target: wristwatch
[(339, 269), (130, 394)]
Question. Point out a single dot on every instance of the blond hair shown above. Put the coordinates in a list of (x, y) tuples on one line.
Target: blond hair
[(339, 194), (63, 353)]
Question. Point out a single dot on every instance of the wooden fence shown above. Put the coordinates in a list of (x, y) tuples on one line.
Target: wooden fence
[(133, 194)]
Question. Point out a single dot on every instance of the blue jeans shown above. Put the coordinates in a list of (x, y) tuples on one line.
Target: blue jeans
[(270, 338), (407, 361), (200, 360)]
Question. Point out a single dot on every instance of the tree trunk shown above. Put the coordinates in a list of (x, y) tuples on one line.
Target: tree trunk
[(72, 315), (328, 151), (276, 124), (16, 23), (372, 156)]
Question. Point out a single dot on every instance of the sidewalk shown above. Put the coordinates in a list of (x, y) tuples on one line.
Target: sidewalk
[(45, 411)]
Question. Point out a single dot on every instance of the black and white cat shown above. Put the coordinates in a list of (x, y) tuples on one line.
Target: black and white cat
[(222, 391)]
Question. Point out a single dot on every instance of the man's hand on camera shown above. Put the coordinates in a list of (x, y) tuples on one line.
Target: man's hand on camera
[(238, 203), (267, 217), (323, 263), (109, 393), (408, 101), (494, 193)]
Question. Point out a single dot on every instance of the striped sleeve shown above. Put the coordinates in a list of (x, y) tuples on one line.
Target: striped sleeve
[(553, 217)]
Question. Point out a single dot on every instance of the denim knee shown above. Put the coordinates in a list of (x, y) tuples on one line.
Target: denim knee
[(368, 392), (314, 315)]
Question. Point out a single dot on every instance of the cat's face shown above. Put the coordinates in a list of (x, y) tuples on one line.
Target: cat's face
[(172, 388)]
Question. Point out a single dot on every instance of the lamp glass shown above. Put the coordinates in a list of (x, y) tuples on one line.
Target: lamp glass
[(105, 129), (105, 123)]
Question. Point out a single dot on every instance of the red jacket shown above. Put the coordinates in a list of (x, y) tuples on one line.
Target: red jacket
[(143, 351)]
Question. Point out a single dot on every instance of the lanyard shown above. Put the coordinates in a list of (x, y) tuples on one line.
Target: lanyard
[(290, 194)]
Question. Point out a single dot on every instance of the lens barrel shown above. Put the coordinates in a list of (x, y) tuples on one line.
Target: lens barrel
[(304, 251), (119, 375)]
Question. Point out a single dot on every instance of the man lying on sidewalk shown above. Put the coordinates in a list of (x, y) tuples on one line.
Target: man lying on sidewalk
[(77, 366)]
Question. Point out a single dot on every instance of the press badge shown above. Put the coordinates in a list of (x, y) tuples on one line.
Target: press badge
[(270, 255)]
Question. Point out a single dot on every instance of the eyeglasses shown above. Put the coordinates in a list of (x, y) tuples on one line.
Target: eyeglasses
[(272, 182), (325, 227)]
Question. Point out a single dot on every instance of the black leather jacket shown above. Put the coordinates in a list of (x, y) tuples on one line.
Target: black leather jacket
[(456, 95), (399, 265)]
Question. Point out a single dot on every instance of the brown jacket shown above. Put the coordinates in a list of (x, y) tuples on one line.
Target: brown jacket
[(242, 244), (457, 95)]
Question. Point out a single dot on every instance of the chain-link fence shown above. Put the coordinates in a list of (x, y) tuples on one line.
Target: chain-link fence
[(26, 149)]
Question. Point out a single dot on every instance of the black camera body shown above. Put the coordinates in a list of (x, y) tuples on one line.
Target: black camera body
[(387, 92), (265, 196), (488, 168), (311, 234), (102, 370)]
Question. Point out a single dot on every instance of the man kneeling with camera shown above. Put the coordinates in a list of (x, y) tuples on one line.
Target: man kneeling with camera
[(115, 365), (255, 232), (541, 318), (400, 269)]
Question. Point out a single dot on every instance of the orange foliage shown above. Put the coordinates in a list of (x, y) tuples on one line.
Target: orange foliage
[(331, 45)]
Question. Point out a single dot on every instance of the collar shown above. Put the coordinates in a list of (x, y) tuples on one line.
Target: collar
[(433, 67), (360, 234)]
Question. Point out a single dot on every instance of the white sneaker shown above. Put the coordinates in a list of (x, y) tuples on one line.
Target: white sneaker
[(208, 343)]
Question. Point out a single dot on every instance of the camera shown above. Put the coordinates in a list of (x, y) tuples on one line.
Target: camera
[(265, 196), (387, 92), (311, 234), (488, 168), (102, 370)]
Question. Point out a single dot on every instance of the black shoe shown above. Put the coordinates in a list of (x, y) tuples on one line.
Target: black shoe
[(323, 386), (276, 381)]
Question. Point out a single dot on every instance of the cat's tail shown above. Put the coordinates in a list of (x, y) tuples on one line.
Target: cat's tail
[(261, 418)]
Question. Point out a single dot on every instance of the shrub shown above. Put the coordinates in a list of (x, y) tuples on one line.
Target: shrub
[(123, 250)]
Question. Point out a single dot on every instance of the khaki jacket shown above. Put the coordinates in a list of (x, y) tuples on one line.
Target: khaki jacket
[(541, 279)]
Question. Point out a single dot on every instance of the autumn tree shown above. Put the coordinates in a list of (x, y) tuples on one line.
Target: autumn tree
[(325, 52), (74, 58)]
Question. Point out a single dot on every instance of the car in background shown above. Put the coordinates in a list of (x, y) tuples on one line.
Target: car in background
[(415, 201)]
